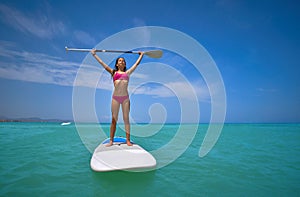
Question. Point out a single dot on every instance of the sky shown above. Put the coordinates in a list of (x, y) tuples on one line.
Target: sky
[(255, 46)]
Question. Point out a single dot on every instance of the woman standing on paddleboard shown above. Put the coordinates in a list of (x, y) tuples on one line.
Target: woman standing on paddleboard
[(120, 94)]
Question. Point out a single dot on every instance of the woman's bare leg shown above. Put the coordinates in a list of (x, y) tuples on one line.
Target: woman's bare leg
[(125, 110), (115, 106)]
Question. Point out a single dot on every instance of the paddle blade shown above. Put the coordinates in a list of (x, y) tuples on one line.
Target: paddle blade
[(154, 54)]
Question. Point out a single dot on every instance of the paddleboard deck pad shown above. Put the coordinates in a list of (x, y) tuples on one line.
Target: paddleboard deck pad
[(120, 156)]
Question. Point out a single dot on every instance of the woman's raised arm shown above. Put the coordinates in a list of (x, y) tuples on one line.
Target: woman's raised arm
[(105, 66), (129, 71)]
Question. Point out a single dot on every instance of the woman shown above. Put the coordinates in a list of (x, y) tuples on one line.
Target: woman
[(120, 94)]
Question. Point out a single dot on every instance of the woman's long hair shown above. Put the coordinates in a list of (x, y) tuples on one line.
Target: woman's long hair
[(116, 67)]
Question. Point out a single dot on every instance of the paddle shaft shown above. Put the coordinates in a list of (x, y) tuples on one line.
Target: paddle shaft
[(153, 54), (99, 50)]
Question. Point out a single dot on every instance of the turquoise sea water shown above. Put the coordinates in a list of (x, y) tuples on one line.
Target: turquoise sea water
[(47, 159)]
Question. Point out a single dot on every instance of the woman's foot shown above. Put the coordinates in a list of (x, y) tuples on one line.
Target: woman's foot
[(129, 143), (109, 144)]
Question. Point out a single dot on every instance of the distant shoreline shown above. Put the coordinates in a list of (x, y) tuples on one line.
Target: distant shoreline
[(34, 120)]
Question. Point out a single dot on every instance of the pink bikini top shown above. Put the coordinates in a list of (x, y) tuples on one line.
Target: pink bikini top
[(120, 76)]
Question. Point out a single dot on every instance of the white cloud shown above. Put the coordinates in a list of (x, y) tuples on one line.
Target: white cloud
[(180, 89), (157, 80), (267, 90), (35, 67), (40, 25), (162, 80), (84, 37), (43, 68), (139, 76), (160, 91), (93, 77)]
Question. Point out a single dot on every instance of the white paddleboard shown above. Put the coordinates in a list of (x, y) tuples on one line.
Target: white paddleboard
[(120, 156)]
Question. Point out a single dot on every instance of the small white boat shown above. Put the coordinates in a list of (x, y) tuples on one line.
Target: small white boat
[(65, 123), (120, 156)]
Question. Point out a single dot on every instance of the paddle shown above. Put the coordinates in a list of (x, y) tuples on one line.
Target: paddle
[(152, 53)]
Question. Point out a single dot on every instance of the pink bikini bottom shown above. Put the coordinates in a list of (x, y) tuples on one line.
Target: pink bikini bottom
[(120, 99)]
